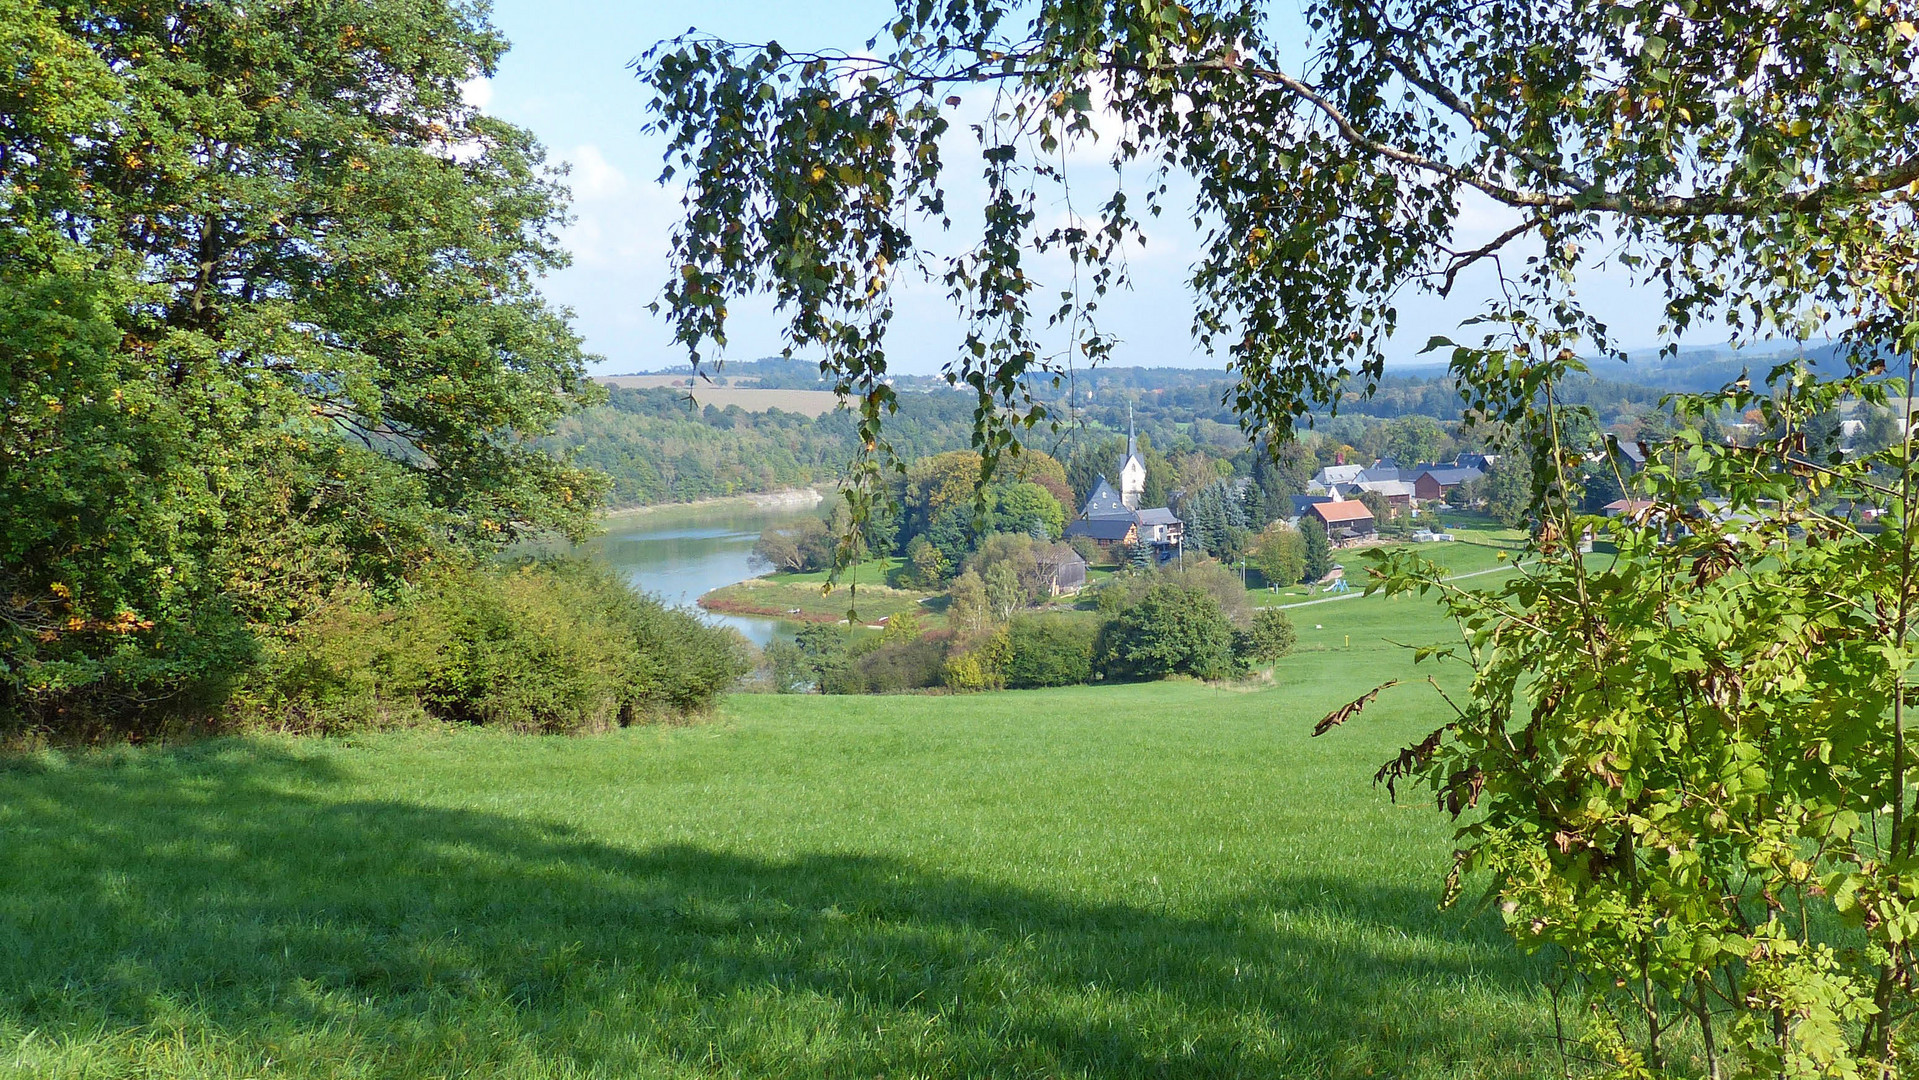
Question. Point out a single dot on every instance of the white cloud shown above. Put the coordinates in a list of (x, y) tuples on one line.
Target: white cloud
[(594, 177), (477, 91)]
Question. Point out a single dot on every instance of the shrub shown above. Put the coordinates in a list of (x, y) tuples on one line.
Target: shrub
[(1050, 651), (1272, 635), (980, 664), (1221, 582), (1173, 630), (551, 647), (925, 566), (903, 664), (828, 650)]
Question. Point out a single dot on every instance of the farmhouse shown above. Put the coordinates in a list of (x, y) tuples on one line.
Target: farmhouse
[(1345, 521), (1301, 502), (1437, 480)]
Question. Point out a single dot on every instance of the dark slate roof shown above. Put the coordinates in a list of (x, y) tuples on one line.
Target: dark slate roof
[(1301, 502), (1378, 474), (1101, 528), (1482, 462), (1631, 451), (1452, 475), (1158, 516), (1104, 502)]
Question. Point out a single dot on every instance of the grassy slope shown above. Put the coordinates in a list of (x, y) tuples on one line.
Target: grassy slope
[(1162, 880)]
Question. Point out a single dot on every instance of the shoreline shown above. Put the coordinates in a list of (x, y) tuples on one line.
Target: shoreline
[(783, 499)]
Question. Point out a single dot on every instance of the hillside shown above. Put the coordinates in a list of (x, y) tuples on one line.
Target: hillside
[(1139, 881)]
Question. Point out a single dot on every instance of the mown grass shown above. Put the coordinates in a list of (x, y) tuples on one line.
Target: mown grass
[(1166, 880)]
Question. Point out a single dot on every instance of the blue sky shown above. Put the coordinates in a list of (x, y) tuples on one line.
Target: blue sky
[(567, 80)]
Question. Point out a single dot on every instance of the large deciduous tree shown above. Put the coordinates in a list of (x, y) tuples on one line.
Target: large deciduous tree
[(268, 329), (1687, 766)]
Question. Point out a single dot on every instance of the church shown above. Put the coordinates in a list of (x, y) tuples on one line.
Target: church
[(1114, 517)]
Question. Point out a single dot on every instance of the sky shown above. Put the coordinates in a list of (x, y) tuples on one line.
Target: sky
[(568, 79)]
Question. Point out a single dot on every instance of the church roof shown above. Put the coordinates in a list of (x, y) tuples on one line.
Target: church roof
[(1104, 502), (1102, 528)]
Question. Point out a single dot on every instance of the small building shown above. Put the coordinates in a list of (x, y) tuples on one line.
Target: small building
[(1629, 456), (1068, 574), (1350, 518), (1435, 482)]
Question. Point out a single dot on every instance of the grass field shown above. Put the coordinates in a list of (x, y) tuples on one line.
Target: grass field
[(1167, 880)]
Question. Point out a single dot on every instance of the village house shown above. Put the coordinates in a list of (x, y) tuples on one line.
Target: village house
[(1332, 476)]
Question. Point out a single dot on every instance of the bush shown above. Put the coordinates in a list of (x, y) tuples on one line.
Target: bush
[(551, 647), (1221, 582), (1173, 630), (1050, 651), (980, 664), (905, 664), (1272, 635)]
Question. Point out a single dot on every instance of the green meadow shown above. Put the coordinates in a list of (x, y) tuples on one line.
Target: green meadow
[(1163, 880)]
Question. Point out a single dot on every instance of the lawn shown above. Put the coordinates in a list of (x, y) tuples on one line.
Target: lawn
[(1167, 880), (783, 595)]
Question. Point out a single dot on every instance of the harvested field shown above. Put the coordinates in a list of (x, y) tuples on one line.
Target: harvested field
[(751, 399)]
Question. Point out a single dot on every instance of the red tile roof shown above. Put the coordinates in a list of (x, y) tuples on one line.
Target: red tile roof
[(1330, 512)]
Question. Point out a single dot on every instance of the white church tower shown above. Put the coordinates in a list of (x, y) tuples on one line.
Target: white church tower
[(1132, 471)]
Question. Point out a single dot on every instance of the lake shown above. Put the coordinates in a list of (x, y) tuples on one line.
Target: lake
[(680, 552)]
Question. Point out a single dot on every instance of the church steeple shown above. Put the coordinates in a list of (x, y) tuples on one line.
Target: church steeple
[(1132, 468)]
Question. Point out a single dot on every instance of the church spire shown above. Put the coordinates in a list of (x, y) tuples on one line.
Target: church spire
[(1132, 470)]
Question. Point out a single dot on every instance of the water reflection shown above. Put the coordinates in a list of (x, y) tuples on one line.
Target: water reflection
[(680, 552)]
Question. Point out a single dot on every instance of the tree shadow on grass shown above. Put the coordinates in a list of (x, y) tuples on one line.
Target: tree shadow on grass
[(231, 900)]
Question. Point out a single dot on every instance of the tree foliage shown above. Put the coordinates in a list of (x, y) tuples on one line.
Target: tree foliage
[(1172, 630), (1316, 555), (1280, 554), (269, 329)]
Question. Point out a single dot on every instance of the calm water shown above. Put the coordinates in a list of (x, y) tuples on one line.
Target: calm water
[(679, 552)]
